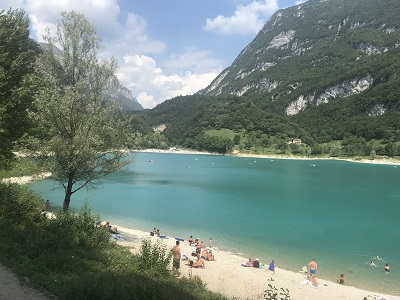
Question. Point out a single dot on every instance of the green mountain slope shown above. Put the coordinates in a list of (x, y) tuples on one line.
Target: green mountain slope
[(321, 71)]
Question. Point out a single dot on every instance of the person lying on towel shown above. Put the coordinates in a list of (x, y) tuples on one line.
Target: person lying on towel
[(198, 264)]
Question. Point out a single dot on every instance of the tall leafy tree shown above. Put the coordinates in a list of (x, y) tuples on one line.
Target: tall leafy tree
[(82, 128), (17, 57)]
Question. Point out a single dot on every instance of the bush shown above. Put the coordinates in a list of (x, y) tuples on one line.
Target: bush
[(75, 231), (272, 293), (72, 257), (154, 257), (20, 212)]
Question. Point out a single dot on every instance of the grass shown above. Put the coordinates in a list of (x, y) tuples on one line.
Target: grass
[(225, 133)]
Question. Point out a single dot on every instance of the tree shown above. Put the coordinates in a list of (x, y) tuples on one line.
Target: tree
[(82, 129), (391, 149), (236, 139), (17, 57)]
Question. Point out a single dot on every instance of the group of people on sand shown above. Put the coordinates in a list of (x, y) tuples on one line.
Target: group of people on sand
[(111, 229), (256, 264), (155, 232), (202, 254), (313, 266)]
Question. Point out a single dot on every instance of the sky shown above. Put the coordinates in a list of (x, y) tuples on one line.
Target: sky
[(164, 48)]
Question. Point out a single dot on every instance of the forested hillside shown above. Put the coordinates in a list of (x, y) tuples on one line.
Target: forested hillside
[(326, 72)]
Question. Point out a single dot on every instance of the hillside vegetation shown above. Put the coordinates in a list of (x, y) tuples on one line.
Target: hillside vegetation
[(326, 72)]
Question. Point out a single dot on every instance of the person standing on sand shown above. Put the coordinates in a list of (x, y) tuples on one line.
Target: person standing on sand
[(176, 258), (210, 243), (198, 248), (313, 267), (272, 266)]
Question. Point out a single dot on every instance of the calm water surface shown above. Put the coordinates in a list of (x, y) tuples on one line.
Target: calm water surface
[(340, 213)]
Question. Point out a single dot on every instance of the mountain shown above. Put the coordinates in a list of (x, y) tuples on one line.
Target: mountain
[(123, 96), (319, 52), (325, 71)]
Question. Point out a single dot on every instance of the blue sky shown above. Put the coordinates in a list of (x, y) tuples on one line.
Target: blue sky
[(165, 48)]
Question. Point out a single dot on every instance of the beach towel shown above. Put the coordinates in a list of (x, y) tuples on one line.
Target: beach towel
[(117, 237)]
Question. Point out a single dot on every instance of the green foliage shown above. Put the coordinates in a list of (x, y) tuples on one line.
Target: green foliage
[(325, 52), (73, 258), (154, 257), (18, 167), (391, 149), (153, 141), (272, 293), (75, 231), (216, 144), (20, 211), (80, 129), (17, 57)]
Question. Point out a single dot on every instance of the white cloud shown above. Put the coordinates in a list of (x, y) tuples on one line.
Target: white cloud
[(194, 60), (248, 19), (127, 40), (300, 2), (140, 74)]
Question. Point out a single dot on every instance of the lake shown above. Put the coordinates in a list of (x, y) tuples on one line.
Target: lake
[(340, 213)]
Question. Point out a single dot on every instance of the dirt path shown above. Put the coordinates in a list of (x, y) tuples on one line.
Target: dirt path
[(12, 288)]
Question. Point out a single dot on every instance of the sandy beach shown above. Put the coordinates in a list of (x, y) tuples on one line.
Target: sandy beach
[(27, 179), (227, 276)]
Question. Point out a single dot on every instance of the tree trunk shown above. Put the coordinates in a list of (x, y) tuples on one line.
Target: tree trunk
[(68, 194)]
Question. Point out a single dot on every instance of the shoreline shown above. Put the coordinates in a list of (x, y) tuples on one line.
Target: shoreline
[(377, 161), (27, 179), (228, 277)]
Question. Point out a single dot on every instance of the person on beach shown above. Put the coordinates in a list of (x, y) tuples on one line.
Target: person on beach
[(313, 267), (249, 263), (272, 266), (387, 268), (256, 263), (204, 254), (111, 229), (158, 233), (314, 280), (198, 249), (341, 279), (210, 255), (47, 205), (190, 240), (210, 243), (199, 264), (176, 258)]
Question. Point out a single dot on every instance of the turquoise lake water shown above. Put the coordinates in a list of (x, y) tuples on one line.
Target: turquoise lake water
[(340, 213)]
